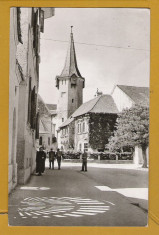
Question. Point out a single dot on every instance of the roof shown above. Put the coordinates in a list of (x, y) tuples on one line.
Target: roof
[(52, 106), (70, 66), (43, 127), (43, 109), (100, 104), (140, 95), (67, 122), (48, 12)]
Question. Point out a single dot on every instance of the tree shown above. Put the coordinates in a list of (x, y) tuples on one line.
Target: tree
[(132, 128)]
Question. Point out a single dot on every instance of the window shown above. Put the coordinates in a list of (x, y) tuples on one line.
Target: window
[(80, 147), (33, 108), (79, 128), (40, 140), (18, 25), (63, 94), (48, 140), (29, 101), (54, 140), (62, 119), (84, 127), (72, 100), (86, 146)]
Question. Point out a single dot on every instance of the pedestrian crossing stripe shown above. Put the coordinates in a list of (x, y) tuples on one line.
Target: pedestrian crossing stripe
[(70, 207)]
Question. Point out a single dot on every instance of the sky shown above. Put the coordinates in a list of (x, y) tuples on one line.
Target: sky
[(112, 47)]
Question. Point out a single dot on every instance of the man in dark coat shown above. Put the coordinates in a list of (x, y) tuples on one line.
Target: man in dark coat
[(59, 157), (52, 157), (84, 161), (40, 161)]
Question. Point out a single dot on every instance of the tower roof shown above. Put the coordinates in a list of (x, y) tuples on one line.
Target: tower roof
[(70, 66)]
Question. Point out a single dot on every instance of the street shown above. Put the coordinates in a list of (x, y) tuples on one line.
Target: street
[(105, 195)]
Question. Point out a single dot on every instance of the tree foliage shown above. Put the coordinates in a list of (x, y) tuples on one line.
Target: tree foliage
[(101, 128), (132, 128)]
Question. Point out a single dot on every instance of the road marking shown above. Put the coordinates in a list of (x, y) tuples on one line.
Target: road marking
[(61, 207), (104, 188), (94, 211), (73, 215), (21, 214), (83, 213), (59, 216), (28, 213), (110, 203), (141, 193), (35, 213), (102, 207), (90, 203), (34, 188)]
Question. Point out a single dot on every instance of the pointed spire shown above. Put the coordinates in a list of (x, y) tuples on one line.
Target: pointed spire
[(70, 67)]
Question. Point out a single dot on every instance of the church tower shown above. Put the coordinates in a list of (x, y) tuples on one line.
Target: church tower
[(70, 85)]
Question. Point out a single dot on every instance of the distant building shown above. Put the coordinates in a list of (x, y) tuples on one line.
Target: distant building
[(70, 85), (25, 27), (127, 96), (47, 137)]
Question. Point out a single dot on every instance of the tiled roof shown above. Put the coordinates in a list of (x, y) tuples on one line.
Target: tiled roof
[(100, 104), (140, 95), (52, 106), (86, 107)]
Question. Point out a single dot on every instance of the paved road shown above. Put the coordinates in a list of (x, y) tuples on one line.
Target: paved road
[(69, 197)]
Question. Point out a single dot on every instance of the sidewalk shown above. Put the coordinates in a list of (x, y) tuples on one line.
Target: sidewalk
[(106, 165)]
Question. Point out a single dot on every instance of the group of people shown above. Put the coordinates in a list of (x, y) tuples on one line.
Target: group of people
[(41, 157)]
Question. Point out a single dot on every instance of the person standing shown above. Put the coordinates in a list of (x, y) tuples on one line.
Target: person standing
[(59, 157), (84, 161), (40, 161), (52, 157)]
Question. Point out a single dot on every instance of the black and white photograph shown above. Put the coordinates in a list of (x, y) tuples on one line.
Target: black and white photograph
[(78, 151)]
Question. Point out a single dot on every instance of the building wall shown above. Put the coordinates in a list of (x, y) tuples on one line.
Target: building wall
[(26, 149), (24, 67), (64, 137), (81, 135), (45, 142), (14, 79), (62, 105), (75, 94), (121, 100), (70, 98)]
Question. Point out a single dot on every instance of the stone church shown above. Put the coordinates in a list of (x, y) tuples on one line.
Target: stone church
[(89, 125)]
